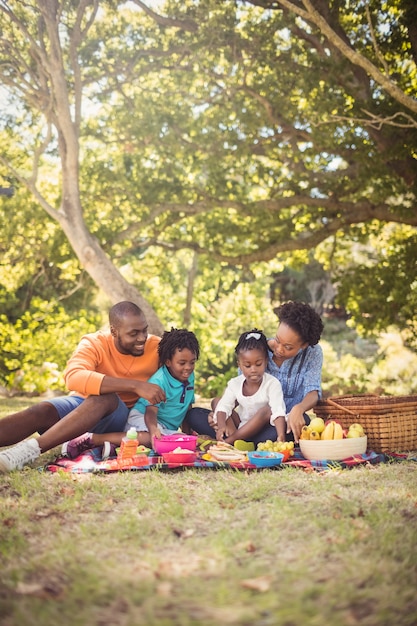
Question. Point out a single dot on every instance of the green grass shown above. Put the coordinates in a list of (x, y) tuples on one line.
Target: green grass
[(207, 547)]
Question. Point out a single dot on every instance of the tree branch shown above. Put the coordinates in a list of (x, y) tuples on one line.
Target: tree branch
[(310, 14), (183, 24)]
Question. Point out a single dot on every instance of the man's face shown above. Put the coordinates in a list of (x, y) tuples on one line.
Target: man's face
[(130, 335)]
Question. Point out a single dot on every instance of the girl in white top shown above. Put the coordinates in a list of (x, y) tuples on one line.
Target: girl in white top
[(250, 392)]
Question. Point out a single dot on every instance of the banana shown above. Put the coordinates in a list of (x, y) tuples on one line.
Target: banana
[(328, 432), (305, 432), (314, 435), (338, 431)]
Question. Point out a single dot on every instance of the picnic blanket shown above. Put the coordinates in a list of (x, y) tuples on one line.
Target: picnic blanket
[(90, 461)]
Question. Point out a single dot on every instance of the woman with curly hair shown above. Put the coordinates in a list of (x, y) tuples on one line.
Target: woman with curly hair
[(296, 360)]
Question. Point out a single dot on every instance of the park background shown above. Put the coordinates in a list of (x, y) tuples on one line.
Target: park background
[(209, 160)]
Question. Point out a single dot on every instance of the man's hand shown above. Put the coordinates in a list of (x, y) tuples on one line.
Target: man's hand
[(151, 392)]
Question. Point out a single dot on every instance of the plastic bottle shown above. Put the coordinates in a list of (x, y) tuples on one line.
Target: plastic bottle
[(128, 445)]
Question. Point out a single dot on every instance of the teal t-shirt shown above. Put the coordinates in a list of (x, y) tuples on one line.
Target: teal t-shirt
[(179, 396)]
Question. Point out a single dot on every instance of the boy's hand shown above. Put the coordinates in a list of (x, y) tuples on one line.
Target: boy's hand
[(156, 434)]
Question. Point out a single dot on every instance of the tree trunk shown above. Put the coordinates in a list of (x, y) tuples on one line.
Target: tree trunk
[(105, 274)]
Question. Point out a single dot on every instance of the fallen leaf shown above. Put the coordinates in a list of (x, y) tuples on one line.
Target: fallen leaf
[(261, 584), (164, 589), (28, 589), (183, 534), (245, 546), (67, 491)]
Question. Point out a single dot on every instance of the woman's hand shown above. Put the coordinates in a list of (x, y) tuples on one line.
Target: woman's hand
[(295, 422)]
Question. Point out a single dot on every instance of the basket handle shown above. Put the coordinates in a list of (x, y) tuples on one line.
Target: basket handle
[(339, 406)]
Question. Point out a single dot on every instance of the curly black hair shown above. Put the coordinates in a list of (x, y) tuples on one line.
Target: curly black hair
[(303, 320), (177, 339), (251, 340)]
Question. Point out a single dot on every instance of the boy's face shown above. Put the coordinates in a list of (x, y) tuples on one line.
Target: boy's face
[(182, 364)]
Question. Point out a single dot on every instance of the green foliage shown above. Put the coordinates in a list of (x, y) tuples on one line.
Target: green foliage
[(36, 346), (226, 302), (380, 288), (354, 365), (239, 134)]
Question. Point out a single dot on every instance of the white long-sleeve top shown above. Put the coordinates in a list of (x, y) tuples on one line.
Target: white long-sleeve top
[(269, 393)]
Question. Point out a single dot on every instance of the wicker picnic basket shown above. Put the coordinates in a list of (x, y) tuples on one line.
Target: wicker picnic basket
[(390, 422)]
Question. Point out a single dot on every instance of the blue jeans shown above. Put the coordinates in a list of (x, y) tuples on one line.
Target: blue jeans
[(112, 423)]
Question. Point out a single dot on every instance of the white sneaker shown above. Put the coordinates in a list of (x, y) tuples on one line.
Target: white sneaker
[(19, 455)]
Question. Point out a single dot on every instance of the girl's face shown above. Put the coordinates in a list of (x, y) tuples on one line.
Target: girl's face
[(252, 364), (287, 343), (182, 364)]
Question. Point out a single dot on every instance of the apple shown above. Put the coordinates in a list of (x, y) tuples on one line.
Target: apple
[(317, 424), (354, 432), (357, 427)]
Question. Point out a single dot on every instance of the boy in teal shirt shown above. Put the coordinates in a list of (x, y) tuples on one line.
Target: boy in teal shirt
[(178, 352)]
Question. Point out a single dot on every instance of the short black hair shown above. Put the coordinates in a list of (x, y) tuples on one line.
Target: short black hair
[(121, 310), (302, 319), (252, 340), (177, 339)]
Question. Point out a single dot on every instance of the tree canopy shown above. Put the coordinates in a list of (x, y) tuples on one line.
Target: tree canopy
[(244, 132)]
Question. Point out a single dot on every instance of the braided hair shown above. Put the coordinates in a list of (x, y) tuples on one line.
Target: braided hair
[(252, 340), (177, 339), (302, 319)]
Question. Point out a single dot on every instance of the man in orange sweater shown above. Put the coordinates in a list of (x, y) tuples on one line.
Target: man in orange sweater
[(106, 375)]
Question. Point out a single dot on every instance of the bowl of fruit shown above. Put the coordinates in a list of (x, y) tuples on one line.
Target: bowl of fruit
[(320, 441), (168, 443)]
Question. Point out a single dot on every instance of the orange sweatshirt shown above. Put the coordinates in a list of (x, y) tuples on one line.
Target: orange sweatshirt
[(96, 357)]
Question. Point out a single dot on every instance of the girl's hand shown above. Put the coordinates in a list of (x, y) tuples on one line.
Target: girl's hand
[(220, 433), (211, 421)]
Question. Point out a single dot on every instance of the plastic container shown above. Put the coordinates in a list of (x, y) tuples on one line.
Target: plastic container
[(185, 457), (265, 458), (168, 443), (128, 445), (139, 460)]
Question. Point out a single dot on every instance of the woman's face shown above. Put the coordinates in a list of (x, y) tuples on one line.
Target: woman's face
[(286, 344)]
